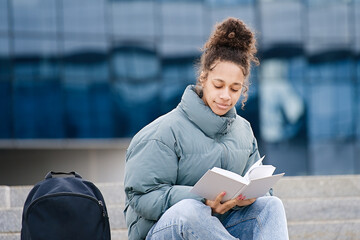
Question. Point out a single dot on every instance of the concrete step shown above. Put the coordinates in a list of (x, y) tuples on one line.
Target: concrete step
[(322, 209), (15, 196), (317, 207), (115, 235), (9, 236), (297, 210), (4, 197), (10, 219), (325, 230), (287, 187), (318, 186)]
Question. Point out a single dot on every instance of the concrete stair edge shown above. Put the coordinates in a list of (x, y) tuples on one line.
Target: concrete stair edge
[(318, 186), (115, 235), (287, 187), (317, 207)]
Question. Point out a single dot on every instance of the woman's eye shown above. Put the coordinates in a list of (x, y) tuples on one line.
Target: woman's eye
[(234, 90), (217, 86)]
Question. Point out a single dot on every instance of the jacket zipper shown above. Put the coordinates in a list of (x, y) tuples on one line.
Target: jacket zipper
[(224, 163)]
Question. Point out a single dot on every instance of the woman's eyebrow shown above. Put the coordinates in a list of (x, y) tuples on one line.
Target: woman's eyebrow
[(221, 80), (218, 79), (238, 84)]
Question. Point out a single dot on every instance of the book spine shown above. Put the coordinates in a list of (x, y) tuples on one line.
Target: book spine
[(239, 192)]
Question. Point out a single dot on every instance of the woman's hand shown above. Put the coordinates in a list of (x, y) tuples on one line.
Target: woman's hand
[(221, 208)]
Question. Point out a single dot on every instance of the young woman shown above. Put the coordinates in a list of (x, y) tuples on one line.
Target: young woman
[(168, 156)]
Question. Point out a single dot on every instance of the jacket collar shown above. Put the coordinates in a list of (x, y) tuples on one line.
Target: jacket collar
[(202, 116)]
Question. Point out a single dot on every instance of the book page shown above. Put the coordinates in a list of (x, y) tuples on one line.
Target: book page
[(261, 172), (214, 183), (259, 187), (255, 165), (230, 174)]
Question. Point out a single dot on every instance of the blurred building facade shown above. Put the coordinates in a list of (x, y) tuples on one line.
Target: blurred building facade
[(90, 69)]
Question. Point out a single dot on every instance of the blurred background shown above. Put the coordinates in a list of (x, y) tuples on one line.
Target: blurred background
[(79, 78)]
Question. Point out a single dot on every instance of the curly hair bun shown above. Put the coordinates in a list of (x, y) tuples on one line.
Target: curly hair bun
[(231, 41), (232, 33)]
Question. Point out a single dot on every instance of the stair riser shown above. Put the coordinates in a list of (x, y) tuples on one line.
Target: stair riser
[(325, 231), (10, 219), (318, 186), (322, 209)]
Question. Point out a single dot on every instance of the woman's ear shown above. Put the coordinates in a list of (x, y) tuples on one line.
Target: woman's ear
[(202, 77)]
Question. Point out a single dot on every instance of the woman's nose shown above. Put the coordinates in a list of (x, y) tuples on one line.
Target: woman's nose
[(225, 94)]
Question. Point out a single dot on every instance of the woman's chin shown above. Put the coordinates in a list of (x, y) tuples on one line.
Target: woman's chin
[(220, 112)]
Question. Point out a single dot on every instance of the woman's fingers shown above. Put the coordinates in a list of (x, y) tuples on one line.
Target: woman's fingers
[(226, 206), (245, 202), (221, 208), (219, 198)]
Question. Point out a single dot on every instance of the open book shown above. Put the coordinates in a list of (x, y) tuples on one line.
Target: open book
[(256, 183)]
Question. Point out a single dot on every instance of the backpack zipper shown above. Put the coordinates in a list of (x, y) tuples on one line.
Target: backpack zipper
[(99, 202), (102, 207)]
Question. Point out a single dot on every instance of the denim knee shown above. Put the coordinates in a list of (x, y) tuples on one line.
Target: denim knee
[(273, 210), (271, 203), (179, 218), (188, 219), (272, 219), (188, 210)]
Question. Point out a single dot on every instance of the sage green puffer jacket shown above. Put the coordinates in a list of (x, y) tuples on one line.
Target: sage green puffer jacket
[(168, 156)]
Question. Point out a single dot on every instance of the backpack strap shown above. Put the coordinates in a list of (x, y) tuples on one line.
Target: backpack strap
[(51, 174)]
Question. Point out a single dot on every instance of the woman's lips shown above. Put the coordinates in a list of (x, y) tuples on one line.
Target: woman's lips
[(222, 106)]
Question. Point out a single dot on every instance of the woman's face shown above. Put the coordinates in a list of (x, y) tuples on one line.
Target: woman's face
[(222, 87)]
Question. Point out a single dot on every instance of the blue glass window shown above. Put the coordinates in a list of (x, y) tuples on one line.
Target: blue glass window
[(136, 105), (84, 17), (322, 117), (281, 106), (37, 90), (281, 23), (3, 16), (329, 26), (331, 100), (37, 98), (88, 105), (84, 44), (357, 98), (218, 12), (222, 3), (177, 73), (5, 68), (135, 63), (35, 16), (134, 20), (5, 90), (137, 80), (356, 25), (297, 74), (282, 112), (182, 33)]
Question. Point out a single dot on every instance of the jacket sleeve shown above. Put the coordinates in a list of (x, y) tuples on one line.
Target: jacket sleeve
[(150, 179)]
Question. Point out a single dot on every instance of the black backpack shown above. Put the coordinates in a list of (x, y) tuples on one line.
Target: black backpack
[(65, 208)]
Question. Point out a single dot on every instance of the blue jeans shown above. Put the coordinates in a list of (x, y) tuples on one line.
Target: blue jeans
[(191, 219)]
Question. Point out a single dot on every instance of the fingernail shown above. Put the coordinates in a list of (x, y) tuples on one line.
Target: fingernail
[(223, 193)]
